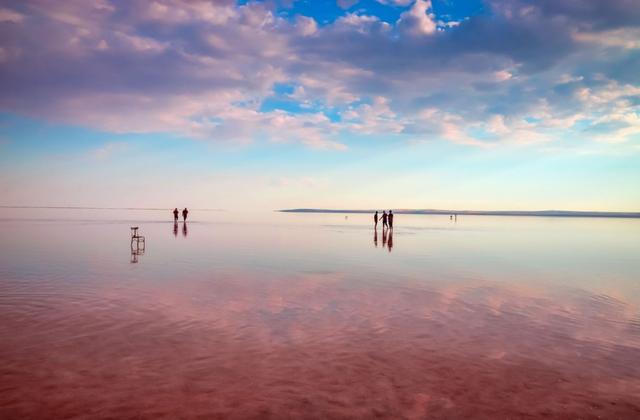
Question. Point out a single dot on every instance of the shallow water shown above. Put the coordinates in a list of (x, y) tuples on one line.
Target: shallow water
[(312, 316)]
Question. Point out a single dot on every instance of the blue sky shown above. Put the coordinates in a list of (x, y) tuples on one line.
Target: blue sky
[(497, 104)]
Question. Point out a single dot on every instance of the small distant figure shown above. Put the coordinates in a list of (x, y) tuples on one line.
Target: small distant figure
[(175, 227), (175, 215), (384, 220), (375, 220), (390, 219), (185, 212), (450, 217)]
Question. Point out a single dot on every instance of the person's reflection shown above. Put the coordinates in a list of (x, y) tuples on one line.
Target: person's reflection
[(184, 229), (375, 237), (390, 240), (175, 228), (384, 237)]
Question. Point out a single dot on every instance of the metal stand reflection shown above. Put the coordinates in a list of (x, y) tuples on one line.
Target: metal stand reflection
[(138, 244)]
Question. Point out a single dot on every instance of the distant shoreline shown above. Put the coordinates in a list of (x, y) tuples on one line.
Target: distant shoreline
[(540, 213), (97, 208)]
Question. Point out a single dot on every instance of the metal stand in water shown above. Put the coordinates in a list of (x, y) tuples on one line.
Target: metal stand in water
[(137, 244)]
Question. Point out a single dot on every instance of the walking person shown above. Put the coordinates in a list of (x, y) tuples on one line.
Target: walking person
[(184, 214), (390, 218), (384, 220), (175, 215), (375, 219)]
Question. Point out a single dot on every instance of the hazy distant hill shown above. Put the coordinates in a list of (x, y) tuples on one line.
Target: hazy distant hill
[(541, 213)]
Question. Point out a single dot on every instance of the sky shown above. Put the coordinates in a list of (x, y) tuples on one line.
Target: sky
[(475, 104)]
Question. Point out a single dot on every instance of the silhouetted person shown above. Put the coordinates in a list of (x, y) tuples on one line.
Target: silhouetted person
[(375, 237), (375, 220), (184, 229), (390, 240), (384, 220), (184, 214), (175, 227), (390, 218), (175, 215)]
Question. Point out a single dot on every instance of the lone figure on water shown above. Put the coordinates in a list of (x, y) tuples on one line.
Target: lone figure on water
[(390, 217), (175, 215), (375, 219), (184, 214)]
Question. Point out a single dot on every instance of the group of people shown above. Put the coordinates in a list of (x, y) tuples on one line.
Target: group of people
[(387, 220), (387, 226), (185, 212)]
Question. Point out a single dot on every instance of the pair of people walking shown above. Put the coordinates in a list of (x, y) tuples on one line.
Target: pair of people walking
[(185, 212), (387, 220)]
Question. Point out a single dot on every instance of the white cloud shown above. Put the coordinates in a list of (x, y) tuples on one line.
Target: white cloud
[(306, 26), (374, 118), (418, 20), (502, 75), (496, 125), (207, 67), (627, 38), (358, 22)]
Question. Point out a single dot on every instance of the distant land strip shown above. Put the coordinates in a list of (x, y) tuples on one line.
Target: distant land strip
[(97, 208), (540, 213)]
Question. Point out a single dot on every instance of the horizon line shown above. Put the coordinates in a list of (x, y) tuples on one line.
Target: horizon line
[(539, 213)]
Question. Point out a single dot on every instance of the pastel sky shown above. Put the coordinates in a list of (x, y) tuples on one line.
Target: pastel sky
[(474, 104)]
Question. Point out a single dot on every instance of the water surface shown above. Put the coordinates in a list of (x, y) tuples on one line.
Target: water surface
[(316, 316)]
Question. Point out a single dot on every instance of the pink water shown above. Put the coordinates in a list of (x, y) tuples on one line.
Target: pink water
[(305, 316)]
